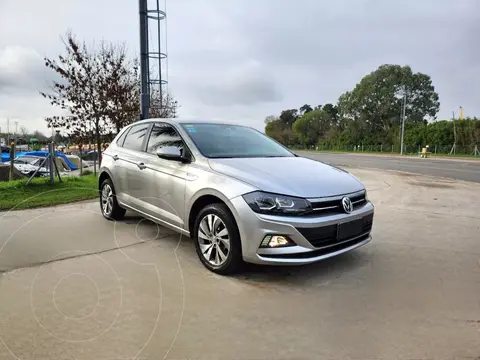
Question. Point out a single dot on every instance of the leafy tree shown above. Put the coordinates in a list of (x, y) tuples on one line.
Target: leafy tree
[(270, 118), (332, 112), (370, 115), (288, 117), (312, 126), (281, 132), (377, 100), (305, 109)]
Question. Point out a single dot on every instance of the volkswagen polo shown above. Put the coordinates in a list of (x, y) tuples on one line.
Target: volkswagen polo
[(240, 195)]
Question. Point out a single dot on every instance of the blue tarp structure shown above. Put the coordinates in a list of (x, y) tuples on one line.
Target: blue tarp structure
[(6, 157)]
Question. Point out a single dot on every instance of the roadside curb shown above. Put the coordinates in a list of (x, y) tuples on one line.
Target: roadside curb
[(440, 158)]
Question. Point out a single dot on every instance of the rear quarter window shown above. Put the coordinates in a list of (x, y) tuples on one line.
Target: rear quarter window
[(122, 137)]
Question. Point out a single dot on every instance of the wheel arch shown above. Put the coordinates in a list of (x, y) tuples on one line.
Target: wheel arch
[(104, 174), (205, 198)]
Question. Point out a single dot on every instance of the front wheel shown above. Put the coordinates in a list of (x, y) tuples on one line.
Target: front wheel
[(217, 239), (109, 206)]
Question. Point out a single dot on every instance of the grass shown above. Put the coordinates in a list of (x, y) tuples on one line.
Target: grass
[(14, 195)]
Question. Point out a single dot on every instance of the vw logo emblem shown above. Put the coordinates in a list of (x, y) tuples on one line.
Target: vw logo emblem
[(347, 205)]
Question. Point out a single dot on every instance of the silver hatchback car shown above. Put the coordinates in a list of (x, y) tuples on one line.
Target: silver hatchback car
[(240, 195)]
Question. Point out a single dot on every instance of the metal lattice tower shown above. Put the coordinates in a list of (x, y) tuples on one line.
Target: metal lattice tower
[(152, 54)]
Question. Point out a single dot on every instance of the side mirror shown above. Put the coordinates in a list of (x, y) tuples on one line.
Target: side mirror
[(171, 153)]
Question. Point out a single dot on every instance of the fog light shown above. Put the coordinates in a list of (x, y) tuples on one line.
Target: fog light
[(275, 241)]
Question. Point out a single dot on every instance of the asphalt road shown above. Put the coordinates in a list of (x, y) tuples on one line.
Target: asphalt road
[(467, 170), (76, 286)]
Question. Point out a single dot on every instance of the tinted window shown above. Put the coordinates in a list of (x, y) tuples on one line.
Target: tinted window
[(233, 141), (163, 135), (135, 137), (122, 137)]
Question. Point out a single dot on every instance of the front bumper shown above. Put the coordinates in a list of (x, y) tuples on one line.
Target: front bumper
[(254, 227)]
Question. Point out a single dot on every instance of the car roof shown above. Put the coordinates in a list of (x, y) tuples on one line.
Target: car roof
[(187, 121)]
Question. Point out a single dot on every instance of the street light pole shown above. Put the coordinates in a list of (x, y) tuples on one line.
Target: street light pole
[(16, 132), (454, 147), (403, 118)]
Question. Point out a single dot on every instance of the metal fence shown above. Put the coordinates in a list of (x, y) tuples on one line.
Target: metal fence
[(472, 150)]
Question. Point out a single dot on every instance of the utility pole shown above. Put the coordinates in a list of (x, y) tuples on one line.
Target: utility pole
[(8, 131), (144, 57), (151, 48), (403, 118), (15, 138), (454, 147), (16, 132)]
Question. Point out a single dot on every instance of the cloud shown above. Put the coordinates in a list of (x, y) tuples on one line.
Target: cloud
[(21, 70), (22, 76), (248, 85), (241, 61)]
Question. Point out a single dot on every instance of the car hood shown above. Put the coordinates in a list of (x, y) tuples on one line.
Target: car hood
[(295, 176)]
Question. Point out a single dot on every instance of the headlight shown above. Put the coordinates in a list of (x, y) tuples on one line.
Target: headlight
[(274, 204)]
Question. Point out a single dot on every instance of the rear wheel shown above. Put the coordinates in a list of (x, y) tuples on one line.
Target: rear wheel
[(109, 206), (217, 239)]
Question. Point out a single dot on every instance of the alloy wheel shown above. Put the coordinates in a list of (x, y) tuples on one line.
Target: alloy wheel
[(214, 240), (107, 200)]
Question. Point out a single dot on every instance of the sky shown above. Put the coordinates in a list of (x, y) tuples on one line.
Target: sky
[(240, 60)]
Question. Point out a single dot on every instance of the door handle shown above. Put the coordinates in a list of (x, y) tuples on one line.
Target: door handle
[(115, 157), (141, 166)]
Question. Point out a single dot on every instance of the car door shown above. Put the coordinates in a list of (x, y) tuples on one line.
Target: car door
[(130, 164), (166, 178), (113, 157)]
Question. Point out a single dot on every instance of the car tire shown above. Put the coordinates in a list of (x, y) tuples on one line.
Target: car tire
[(107, 193), (224, 221)]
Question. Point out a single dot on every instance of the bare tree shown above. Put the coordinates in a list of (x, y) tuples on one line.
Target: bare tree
[(99, 91), (23, 131), (166, 107), (91, 88)]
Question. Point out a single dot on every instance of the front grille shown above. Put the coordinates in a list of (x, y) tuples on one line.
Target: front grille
[(333, 234), (334, 206)]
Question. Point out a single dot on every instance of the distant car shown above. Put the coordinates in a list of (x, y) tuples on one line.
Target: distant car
[(90, 155), (27, 165), (240, 195)]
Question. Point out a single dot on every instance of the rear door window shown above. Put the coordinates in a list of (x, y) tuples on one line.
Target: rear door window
[(164, 135), (135, 137)]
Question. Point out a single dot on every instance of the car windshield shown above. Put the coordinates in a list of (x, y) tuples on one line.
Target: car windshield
[(233, 141), (27, 160)]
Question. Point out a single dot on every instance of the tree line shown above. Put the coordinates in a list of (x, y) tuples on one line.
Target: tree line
[(98, 90), (371, 114)]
